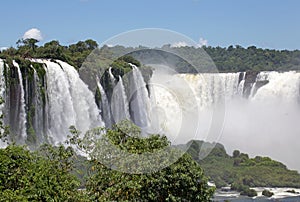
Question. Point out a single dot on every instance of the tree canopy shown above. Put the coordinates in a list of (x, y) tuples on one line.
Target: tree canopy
[(180, 181)]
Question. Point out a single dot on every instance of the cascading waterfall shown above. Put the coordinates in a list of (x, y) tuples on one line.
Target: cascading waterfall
[(43, 108), (2, 85), (111, 76), (283, 86), (2, 94), (262, 110), (40, 118), (119, 103), (22, 114), (212, 89), (70, 102), (139, 99), (255, 124), (242, 84), (105, 107)]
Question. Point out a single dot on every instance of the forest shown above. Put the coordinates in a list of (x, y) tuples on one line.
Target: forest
[(226, 59)]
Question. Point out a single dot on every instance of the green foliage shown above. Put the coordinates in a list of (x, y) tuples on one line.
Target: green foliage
[(74, 54), (236, 153), (231, 59), (241, 171), (267, 193), (249, 192), (37, 176), (179, 181)]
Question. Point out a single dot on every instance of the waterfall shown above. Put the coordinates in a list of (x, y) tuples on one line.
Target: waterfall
[(22, 114), (181, 106), (40, 120), (2, 86), (111, 76), (211, 89), (105, 108), (283, 86), (2, 94), (119, 103), (139, 99), (252, 92), (242, 84), (70, 102)]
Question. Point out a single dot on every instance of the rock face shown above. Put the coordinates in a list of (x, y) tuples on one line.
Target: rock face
[(250, 79)]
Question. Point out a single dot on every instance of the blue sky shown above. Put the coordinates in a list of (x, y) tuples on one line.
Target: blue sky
[(265, 23)]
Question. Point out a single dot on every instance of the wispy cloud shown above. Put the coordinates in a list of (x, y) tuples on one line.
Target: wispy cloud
[(179, 44), (202, 42), (33, 33)]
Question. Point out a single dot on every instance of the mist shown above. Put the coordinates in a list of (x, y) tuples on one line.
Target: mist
[(213, 108)]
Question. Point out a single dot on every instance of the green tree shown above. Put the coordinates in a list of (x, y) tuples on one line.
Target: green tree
[(31, 43), (180, 181), (38, 176), (236, 153)]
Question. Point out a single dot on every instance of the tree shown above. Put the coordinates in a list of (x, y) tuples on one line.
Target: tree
[(37, 176), (181, 181), (236, 153), (31, 43), (91, 44)]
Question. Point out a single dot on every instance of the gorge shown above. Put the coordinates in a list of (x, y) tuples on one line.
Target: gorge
[(260, 109)]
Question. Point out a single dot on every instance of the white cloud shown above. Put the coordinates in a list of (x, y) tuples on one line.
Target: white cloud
[(202, 42), (179, 44), (33, 33), (3, 48)]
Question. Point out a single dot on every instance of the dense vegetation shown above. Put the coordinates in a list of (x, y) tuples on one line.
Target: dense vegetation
[(133, 177), (244, 59), (230, 59), (49, 173), (74, 54), (240, 171)]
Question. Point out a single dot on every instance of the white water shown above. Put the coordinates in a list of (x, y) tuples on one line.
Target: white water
[(2, 94), (242, 84), (2, 85), (187, 104), (278, 192), (119, 103), (39, 120), (209, 107), (139, 99), (264, 124), (22, 114), (112, 78), (70, 102), (268, 123), (106, 114)]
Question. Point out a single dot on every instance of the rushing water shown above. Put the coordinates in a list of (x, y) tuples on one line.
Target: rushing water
[(70, 102), (254, 113), (22, 114), (255, 122), (119, 103)]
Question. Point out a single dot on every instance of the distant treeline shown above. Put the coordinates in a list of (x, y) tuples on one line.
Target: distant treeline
[(230, 59), (243, 59)]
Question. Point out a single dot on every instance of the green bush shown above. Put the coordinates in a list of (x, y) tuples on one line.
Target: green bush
[(267, 193)]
